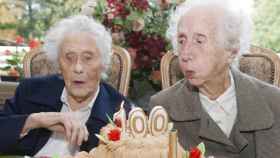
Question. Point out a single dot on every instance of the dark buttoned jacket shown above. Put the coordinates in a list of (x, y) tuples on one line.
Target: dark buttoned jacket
[(43, 95)]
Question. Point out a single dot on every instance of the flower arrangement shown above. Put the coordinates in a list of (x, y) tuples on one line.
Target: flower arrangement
[(139, 26), (13, 63)]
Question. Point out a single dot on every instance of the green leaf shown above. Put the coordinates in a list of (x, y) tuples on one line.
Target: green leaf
[(133, 15), (110, 120), (11, 61), (100, 137), (186, 154), (6, 68), (201, 147), (118, 21)]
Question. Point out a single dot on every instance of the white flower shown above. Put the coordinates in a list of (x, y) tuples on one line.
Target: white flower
[(138, 24)]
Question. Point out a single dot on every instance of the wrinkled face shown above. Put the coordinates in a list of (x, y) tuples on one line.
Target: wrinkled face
[(201, 59), (80, 64)]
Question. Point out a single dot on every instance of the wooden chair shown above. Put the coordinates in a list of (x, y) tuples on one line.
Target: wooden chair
[(261, 63), (35, 63), (7, 89)]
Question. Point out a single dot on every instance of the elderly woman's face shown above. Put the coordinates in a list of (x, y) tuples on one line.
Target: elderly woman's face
[(80, 64), (200, 58)]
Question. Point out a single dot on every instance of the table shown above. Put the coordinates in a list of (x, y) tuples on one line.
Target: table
[(13, 156)]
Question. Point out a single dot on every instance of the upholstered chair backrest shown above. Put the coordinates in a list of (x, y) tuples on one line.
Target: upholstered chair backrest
[(36, 64), (261, 63)]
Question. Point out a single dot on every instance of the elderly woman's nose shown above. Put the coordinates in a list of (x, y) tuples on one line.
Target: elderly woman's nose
[(187, 51), (186, 47), (78, 67)]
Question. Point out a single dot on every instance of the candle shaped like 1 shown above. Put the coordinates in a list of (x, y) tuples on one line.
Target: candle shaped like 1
[(120, 117)]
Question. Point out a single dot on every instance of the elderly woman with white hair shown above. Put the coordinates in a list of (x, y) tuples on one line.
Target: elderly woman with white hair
[(59, 114), (235, 115)]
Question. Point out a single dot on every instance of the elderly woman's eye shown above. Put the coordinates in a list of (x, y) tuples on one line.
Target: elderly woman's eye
[(200, 39), (88, 57), (69, 56), (181, 41)]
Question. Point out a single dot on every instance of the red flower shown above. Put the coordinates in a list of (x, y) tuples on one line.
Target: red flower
[(134, 39), (19, 40), (33, 44), (121, 10), (141, 5), (117, 9), (114, 134), (155, 75), (195, 153), (154, 45), (111, 3), (118, 122)]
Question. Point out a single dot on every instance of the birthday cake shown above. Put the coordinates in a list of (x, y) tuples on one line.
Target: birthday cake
[(138, 137)]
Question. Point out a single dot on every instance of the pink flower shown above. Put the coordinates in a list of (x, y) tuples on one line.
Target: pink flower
[(8, 52)]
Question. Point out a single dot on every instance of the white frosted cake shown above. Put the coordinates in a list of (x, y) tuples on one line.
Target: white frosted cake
[(137, 137)]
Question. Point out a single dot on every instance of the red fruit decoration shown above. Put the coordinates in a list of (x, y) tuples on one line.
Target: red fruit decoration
[(195, 153), (114, 134)]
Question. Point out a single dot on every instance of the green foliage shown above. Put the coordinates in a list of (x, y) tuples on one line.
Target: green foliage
[(267, 21), (15, 62), (39, 15), (7, 26)]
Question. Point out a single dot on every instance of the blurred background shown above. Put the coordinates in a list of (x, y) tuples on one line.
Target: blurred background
[(31, 18), (138, 25)]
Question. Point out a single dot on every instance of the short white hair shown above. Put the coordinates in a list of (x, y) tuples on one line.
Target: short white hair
[(235, 30), (79, 23)]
